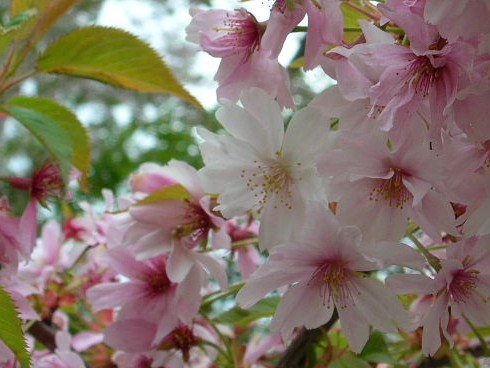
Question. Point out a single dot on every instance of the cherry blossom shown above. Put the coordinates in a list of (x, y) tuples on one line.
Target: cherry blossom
[(375, 185), (148, 292), (261, 168), (460, 288), (235, 36), (324, 265)]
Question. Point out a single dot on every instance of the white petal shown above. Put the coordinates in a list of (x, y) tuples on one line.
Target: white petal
[(306, 136)]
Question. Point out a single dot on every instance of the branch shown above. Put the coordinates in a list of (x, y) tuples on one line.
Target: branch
[(295, 354), (44, 334)]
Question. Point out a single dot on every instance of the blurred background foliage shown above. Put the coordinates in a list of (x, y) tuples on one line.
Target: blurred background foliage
[(126, 128)]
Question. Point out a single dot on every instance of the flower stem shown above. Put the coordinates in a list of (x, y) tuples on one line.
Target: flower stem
[(220, 294), (483, 343), (244, 243), (433, 260)]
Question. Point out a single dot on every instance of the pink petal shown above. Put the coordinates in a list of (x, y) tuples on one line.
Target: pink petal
[(301, 305), (354, 327), (179, 263), (131, 335), (214, 267), (110, 295)]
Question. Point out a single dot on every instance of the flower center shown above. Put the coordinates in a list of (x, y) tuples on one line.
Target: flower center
[(273, 178), (195, 225), (422, 74), (463, 284), (392, 190), (335, 283), (240, 31), (182, 338), (157, 280)]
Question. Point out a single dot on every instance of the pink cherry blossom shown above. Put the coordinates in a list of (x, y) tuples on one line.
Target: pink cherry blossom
[(323, 265), (461, 288), (10, 249), (244, 230), (180, 348), (178, 224), (235, 36), (261, 168), (63, 356), (148, 292), (375, 185)]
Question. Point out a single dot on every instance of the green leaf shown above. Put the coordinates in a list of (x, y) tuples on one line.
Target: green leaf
[(49, 10), (57, 129), (18, 28), (11, 329), (243, 317), (376, 349), (112, 56), (351, 17), (297, 63), (349, 361), (172, 192)]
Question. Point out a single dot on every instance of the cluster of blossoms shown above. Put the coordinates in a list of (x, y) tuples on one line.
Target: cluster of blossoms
[(396, 152), (383, 174)]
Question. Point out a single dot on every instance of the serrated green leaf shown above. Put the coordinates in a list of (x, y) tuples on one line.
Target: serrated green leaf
[(49, 10), (50, 133), (11, 329), (18, 28), (172, 192), (112, 56), (68, 122), (243, 317)]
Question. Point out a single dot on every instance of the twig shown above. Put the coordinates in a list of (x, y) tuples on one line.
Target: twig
[(295, 354), (44, 334)]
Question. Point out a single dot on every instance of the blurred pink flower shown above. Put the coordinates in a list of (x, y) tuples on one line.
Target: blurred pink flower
[(148, 292)]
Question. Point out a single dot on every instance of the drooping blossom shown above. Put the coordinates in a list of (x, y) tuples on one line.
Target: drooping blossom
[(261, 168), (44, 184), (235, 37), (460, 289), (11, 251), (324, 266)]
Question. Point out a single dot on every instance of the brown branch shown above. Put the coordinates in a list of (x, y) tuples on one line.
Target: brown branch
[(295, 354), (44, 334)]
